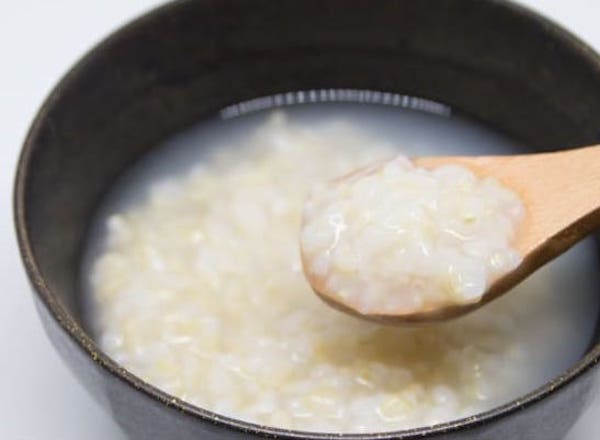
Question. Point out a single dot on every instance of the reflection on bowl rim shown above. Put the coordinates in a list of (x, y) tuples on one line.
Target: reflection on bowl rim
[(89, 346)]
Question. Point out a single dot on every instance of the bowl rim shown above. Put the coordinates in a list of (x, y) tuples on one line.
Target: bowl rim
[(89, 347)]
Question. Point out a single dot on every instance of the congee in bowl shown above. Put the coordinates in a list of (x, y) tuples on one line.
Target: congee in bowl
[(158, 207), (194, 282)]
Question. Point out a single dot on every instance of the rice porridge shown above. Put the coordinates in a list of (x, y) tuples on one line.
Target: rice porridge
[(196, 285), (397, 238)]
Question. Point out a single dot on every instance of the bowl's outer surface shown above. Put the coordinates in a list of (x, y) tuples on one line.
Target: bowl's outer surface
[(189, 59)]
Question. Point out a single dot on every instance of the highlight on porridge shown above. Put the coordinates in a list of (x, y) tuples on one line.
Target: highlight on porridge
[(197, 287), (398, 238)]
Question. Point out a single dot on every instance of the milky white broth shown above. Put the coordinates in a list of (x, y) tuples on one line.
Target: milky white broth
[(257, 344)]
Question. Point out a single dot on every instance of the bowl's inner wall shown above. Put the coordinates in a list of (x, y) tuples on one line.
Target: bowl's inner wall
[(168, 71)]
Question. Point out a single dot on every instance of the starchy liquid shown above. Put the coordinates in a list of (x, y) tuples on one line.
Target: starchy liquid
[(195, 283)]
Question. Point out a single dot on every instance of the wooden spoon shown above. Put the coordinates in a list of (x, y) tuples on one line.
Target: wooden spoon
[(561, 195)]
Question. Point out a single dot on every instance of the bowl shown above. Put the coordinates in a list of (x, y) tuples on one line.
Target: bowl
[(188, 60)]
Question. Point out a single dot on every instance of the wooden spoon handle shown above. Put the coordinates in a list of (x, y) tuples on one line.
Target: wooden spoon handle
[(560, 192)]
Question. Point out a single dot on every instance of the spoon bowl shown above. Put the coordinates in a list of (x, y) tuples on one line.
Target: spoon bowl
[(561, 195)]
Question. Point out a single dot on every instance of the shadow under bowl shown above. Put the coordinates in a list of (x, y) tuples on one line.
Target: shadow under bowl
[(186, 61)]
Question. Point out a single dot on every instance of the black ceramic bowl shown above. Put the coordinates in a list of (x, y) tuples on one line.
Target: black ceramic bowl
[(186, 61)]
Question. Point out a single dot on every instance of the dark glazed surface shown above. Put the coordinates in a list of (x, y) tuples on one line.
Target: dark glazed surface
[(190, 59)]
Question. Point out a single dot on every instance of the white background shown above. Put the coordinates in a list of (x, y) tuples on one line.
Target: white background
[(39, 40)]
